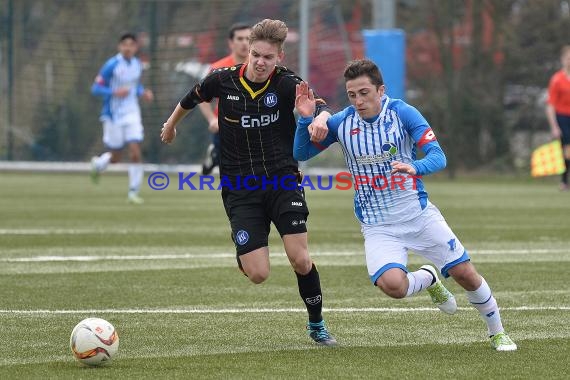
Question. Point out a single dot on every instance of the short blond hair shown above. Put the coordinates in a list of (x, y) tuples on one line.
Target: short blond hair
[(272, 31)]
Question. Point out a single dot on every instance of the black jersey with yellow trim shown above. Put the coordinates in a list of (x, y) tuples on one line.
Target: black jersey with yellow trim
[(256, 120)]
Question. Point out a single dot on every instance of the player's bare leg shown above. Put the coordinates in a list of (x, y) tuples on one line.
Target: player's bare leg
[(100, 163), (564, 184), (398, 284), (136, 173), (255, 265)]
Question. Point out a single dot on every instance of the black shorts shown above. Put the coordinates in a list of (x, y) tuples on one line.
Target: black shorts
[(564, 123), (251, 212)]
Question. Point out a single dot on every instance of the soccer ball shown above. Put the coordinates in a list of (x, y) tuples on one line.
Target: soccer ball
[(94, 341)]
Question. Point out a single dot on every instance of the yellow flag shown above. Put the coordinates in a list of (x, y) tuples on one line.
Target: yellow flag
[(547, 159)]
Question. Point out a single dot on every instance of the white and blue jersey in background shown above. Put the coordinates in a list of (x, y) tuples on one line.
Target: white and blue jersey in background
[(119, 72), (369, 146)]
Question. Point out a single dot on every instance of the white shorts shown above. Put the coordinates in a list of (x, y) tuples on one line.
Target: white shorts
[(428, 235), (118, 133)]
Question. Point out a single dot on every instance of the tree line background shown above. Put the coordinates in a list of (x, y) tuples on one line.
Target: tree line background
[(477, 69)]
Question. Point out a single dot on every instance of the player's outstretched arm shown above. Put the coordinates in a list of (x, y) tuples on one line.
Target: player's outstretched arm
[(303, 148), (168, 131), (305, 103)]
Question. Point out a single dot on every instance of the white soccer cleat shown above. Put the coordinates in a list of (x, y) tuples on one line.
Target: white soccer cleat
[(439, 294), (134, 198), (502, 342)]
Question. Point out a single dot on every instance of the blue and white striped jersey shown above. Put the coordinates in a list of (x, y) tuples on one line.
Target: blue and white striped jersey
[(119, 72), (369, 147)]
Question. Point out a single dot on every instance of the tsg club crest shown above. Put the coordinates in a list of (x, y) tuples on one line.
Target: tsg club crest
[(270, 99)]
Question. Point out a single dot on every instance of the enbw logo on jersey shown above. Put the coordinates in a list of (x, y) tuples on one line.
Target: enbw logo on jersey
[(270, 99), (242, 237), (389, 149)]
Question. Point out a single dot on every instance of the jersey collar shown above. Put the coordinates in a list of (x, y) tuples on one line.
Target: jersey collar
[(243, 82)]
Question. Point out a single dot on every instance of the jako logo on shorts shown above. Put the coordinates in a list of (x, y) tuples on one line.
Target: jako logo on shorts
[(242, 237)]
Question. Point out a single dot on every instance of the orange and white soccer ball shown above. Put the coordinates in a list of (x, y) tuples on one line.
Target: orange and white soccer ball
[(94, 341)]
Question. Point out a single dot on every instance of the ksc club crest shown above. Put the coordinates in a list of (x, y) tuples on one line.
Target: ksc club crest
[(270, 99), (242, 237)]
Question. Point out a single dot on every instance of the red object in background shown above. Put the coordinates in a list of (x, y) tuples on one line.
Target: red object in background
[(423, 52)]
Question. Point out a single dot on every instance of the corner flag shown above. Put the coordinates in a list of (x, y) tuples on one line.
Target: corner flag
[(547, 159)]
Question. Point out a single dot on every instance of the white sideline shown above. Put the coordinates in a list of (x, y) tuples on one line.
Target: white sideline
[(269, 310), (84, 167), (84, 258)]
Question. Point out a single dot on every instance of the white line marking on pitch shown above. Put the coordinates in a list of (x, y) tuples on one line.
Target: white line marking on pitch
[(85, 258), (269, 310), (41, 259)]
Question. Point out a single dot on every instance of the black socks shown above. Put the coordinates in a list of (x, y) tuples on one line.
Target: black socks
[(310, 291)]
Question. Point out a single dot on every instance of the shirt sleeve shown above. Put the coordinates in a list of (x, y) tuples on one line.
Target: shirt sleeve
[(424, 137), (304, 148), (102, 84), (204, 91)]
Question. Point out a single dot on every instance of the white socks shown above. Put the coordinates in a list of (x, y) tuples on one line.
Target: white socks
[(418, 281), (483, 300), (136, 173), (102, 161)]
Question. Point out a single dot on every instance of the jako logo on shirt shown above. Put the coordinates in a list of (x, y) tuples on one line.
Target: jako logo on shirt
[(270, 99), (242, 237), (248, 121), (233, 97)]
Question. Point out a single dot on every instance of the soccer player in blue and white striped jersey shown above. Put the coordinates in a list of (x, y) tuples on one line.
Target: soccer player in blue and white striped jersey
[(118, 83), (379, 137)]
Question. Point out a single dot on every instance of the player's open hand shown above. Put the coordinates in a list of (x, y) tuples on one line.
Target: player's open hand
[(400, 167), (167, 133), (304, 100)]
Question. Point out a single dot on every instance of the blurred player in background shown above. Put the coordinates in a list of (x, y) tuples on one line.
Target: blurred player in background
[(118, 83), (257, 127), (558, 109), (379, 137), (238, 42)]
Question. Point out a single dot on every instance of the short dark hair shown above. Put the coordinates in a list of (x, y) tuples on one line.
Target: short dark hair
[(360, 67), (128, 36), (235, 27)]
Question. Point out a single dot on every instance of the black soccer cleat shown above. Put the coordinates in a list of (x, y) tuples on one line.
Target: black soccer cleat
[(319, 333)]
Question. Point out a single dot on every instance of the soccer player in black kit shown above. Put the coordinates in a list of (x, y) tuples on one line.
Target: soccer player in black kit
[(257, 129)]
